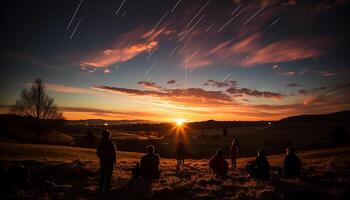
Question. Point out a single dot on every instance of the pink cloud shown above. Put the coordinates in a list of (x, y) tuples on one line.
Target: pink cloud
[(282, 51), (328, 73), (128, 46)]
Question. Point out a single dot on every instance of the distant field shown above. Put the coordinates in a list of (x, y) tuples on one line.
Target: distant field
[(202, 143), (14, 151)]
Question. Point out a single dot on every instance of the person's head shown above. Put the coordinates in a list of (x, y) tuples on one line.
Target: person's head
[(219, 152), (106, 134), (261, 153), (150, 149), (234, 141), (290, 151)]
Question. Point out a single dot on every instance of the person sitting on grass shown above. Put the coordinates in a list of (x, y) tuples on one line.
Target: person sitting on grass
[(180, 153), (260, 167), (106, 152), (292, 164), (149, 164), (218, 164)]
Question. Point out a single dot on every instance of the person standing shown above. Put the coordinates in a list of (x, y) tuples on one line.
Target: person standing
[(233, 152), (106, 152), (180, 153)]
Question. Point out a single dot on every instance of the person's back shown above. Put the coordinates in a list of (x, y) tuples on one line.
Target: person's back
[(263, 168), (292, 164), (181, 152), (260, 167), (106, 153), (219, 164), (150, 164)]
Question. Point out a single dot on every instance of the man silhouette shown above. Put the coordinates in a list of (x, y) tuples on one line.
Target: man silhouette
[(292, 164), (219, 164), (106, 152), (149, 164), (180, 153)]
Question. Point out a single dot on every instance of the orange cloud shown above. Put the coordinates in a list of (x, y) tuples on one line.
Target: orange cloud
[(128, 46), (282, 51), (65, 89), (255, 93), (186, 96)]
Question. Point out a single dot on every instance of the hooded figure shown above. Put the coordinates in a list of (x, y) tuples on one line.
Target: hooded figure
[(292, 164), (218, 164), (149, 164), (106, 152), (180, 153), (260, 167)]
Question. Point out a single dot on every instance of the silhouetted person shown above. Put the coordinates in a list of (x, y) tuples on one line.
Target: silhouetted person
[(233, 152), (181, 153), (218, 164), (150, 164), (136, 171), (106, 151), (260, 167), (292, 164)]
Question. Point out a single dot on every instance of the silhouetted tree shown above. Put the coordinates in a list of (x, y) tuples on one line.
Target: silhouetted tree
[(224, 132), (36, 104), (339, 134)]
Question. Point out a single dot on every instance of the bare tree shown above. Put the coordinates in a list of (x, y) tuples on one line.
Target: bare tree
[(36, 104)]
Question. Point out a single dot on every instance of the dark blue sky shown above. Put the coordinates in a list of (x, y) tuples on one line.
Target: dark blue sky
[(226, 60)]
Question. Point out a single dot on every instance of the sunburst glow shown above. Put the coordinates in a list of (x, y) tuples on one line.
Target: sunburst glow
[(180, 122)]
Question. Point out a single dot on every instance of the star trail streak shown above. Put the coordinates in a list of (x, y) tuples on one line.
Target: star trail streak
[(75, 12)]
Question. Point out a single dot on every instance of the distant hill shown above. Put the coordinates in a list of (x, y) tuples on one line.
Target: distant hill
[(343, 116), (108, 122)]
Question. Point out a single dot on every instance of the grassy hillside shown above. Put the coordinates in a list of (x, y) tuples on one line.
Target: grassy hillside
[(325, 175)]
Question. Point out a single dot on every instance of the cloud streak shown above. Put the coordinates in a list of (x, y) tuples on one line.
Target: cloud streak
[(128, 46)]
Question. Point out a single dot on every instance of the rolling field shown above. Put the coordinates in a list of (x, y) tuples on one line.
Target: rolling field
[(72, 173)]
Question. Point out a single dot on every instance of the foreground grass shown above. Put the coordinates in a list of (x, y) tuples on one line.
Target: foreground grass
[(325, 175)]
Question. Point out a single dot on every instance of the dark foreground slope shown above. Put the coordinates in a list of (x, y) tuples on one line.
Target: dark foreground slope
[(326, 175)]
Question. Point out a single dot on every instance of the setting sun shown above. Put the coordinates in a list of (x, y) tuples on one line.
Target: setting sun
[(179, 122)]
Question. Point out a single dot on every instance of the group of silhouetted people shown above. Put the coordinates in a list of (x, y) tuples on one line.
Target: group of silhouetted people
[(259, 168), (148, 167)]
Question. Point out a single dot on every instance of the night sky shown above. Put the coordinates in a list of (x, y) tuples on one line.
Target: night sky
[(162, 60)]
